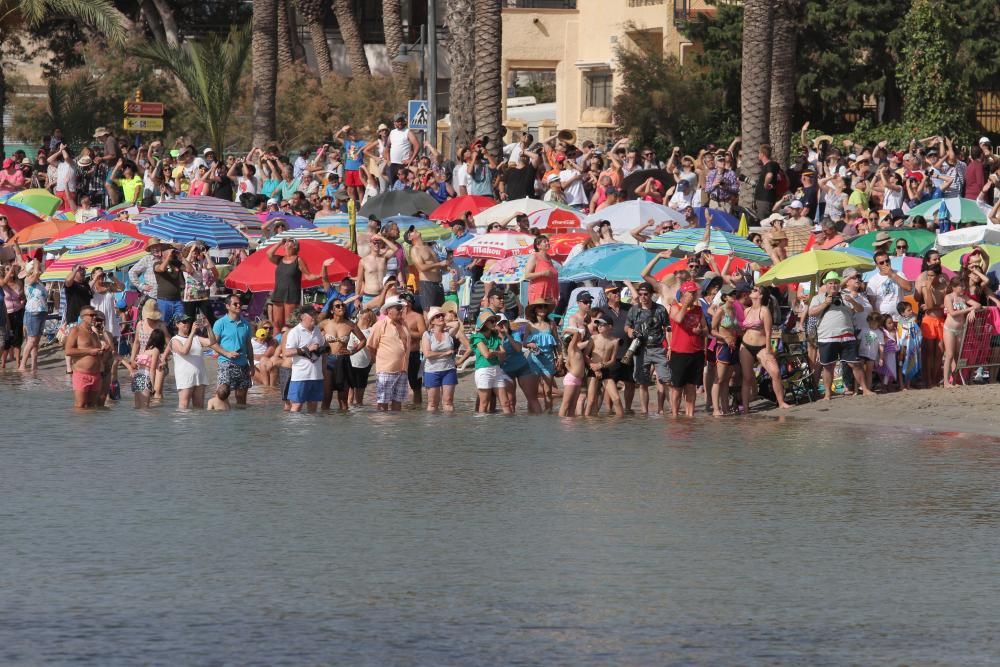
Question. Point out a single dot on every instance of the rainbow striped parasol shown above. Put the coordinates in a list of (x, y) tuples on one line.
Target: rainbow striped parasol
[(118, 252)]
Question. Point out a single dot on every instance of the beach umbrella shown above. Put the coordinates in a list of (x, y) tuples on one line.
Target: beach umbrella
[(183, 227), (507, 271), (727, 222), (953, 259), (637, 178), (614, 261), (561, 245), (978, 234), (719, 243), (908, 267), (626, 216), (455, 209), (959, 210), (496, 245), (92, 237), (230, 212), (116, 226), (64, 215), (808, 265), (504, 212), (117, 252), (681, 265), (550, 219), (40, 232), (398, 202), (293, 221), (919, 241), (857, 252), (18, 218), (302, 235), (338, 223), (36, 200), (256, 273)]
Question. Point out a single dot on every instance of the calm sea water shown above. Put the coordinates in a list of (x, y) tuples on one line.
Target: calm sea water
[(257, 538)]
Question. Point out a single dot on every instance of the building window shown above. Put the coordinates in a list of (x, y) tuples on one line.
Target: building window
[(598, 85)]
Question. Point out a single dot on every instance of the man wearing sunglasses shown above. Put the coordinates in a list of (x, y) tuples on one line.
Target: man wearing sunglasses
[(886, 288), (235, 352)]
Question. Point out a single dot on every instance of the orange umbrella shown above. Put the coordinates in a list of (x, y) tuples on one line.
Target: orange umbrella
[(42, 232)]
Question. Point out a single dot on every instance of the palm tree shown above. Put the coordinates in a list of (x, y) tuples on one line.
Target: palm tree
[(755, 89), (265, 71), (209, 70), (784, 32), (460, 46), (313, 14), (392, 26), (286, 57), (15, 15), (488, 86), (351, 34)]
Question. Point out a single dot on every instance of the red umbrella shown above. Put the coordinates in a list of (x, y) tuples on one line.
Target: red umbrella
[(18, 217), (681, 265), (560, 245), (117, 226), (456, 208), (256, 273), (555, 218)]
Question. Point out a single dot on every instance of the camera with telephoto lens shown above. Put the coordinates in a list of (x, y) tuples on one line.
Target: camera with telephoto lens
[(836, 300), (638, 342)]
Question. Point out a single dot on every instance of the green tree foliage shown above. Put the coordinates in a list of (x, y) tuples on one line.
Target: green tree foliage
[(719, 62)]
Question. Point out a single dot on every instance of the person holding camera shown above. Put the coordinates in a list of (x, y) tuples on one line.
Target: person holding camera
[(103, 286), (835, 332), (306, 345), (646, 325), (481, 167), (170, 283)]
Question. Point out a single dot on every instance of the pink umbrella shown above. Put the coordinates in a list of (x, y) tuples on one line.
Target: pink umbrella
[(497, 245)]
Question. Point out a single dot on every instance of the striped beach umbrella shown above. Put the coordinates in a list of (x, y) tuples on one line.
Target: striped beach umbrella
[(719, 243), (18, 218), (116, 253), (116, 226), (183, 227), (959, 210), (230, 212), (92, 237), (291, 221), (301, 235)]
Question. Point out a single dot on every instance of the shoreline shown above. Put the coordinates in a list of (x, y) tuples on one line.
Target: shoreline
[(961, 410)]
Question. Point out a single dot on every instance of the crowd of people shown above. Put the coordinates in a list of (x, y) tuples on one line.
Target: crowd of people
[(416, 314)]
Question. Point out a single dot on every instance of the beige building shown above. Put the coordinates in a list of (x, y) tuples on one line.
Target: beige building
[(577, 39)]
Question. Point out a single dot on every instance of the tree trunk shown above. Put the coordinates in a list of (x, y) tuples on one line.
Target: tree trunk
[(170, 29), (312, 14), (152, 17), (460, 47), (392, 26), (351, 34), (265, 71), (755, 90), (298, 51), (3, 109), (784, 35), (285, 57), (488, 84)]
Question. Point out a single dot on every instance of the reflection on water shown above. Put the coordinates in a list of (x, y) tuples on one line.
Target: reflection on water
[(253, 537)]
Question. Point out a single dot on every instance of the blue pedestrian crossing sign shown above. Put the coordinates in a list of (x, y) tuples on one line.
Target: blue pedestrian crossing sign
[(419, 115)]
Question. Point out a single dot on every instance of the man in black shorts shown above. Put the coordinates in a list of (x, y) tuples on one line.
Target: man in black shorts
[(616, 313)]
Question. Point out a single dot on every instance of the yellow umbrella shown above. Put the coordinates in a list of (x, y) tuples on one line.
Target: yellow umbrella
[(806, 266)]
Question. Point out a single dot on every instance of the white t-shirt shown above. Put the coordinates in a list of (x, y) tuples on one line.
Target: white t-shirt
[(246, 185), (65, 177), (460, 178), (361, 358), (191, 169), (400, 149), (886, 293), (105, 304), (574, 192), (302, 367)]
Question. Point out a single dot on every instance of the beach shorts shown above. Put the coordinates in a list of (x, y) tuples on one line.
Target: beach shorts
[(414, 371), (433, 380), (34, 323), (521, 371), (390, 388), (305, 391), (724, 354), (431, 294), (570, 380), (358, 377), (338, 368), (655, 356), (168, 309), (142, 383), (367, 298), (834, 351), (620, 372), (352, 178), (932, 327), (284, 380), (84, 381), (234, 376), (686, 368), (491, 377)]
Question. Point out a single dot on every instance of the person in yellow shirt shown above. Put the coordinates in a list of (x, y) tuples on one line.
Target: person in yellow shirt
[(124, 177)]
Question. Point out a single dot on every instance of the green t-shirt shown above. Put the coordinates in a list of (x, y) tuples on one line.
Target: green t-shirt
[(131, 188), (492, 343), (859, 198)]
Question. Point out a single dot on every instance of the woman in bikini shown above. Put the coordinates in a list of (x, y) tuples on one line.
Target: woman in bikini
[(337, 332), (959, 310), (151, 322), (727, 332), (757, 347), (145, 366)]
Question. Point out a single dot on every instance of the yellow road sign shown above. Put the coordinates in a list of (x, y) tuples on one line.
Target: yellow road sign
[(141, 124)]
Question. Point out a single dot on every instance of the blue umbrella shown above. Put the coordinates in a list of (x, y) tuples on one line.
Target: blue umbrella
[(720, 219), (617, 261), (851, 250), (183, 227), (90, 237), (719, 243), (293, 221), (404, 221)]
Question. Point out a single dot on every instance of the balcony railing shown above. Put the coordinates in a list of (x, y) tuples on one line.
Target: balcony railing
[(540, 4), (644, 3)]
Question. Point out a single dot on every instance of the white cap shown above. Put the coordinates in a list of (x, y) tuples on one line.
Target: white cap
[(552, 178), (272, 201), (984, 140), (390, 303), (207, 151), (700, 246), (795, 204)]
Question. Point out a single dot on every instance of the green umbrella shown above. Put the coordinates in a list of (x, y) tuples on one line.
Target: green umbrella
[(918, 240), (37, 199), (959, 210)]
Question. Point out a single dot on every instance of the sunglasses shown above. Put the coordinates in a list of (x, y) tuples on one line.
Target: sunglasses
[(882, 263), (902, 247), (338, 306)]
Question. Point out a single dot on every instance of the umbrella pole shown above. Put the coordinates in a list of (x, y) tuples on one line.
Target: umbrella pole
[(352, 225)]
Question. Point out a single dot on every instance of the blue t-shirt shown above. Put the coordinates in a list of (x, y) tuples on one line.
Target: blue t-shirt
[(233, 335), (515, 361), (333, 294), (353, 157)]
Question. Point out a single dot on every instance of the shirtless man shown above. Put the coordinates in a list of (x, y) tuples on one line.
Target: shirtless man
[(109, 360), (581, 318), (577, 348), (931, 287), (86, 350), (415, 323), (429, 268), (602, 359), (666, 289), (372, 269)]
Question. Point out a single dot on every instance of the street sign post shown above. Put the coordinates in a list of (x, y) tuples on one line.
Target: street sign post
[(143, 124), (144, 108), (419, 115)]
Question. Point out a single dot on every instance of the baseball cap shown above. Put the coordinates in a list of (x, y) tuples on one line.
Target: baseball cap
[(644, 287), (399, 116), (207, 151), (984, 140), (585, 297), (272, 201), (795, 204), (850, 273), (831, 276), (700, 246), (496, 292)]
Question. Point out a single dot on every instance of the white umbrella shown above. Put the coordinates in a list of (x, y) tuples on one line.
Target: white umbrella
[(977, 234), (503, 213), (626, 216)]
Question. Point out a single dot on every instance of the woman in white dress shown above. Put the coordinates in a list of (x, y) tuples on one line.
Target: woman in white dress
[(189, 363)]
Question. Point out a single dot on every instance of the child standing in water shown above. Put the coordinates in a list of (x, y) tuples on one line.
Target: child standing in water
[(577, 350)]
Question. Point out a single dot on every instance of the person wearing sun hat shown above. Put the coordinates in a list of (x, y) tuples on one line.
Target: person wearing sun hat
[(835, 331), (389, 346), (488, 349)]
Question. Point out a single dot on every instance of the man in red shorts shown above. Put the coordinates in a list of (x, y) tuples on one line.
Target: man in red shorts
[(929, 291), (353, 160), (86, 349)]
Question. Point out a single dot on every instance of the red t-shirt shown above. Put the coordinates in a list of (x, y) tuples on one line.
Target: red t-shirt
[(682, 336)]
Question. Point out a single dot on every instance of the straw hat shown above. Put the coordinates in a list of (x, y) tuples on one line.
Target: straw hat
[(821, 138), (154, 244), (390, 303), (433, 312), (531, 308), (150, 311)]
